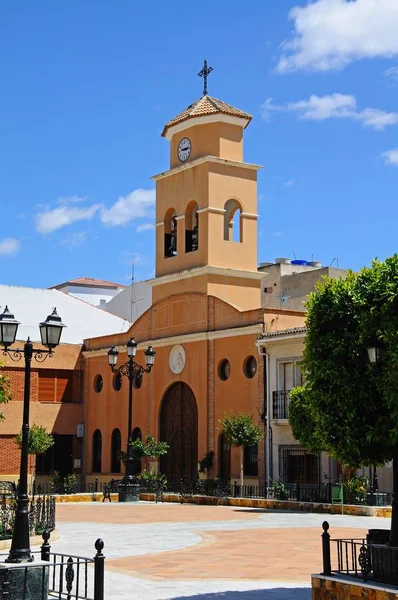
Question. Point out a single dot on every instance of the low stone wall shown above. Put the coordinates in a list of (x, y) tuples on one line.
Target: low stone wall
[(363, 511), (336, 588), (35, 540)]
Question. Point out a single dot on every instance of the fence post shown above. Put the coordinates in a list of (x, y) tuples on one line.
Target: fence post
[(297, 491), (45, 547), (96, 484), (99, 560), (327, 567)]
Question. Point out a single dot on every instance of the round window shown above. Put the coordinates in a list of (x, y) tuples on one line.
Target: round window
[(98, 383), (224, 369), (137, 382), (117, 382), (250, 367)]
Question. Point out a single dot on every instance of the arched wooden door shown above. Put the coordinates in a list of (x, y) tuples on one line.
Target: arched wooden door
[(179, 428)]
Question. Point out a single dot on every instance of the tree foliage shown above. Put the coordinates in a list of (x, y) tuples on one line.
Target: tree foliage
[(150, 449), (241, 432), (5, 390), (39, 441), (348, 407)]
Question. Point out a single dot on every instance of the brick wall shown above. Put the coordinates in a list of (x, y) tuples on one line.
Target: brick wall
[(17, 380), (10, 455)]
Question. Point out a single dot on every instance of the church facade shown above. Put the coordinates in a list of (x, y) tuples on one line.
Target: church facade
[(205, 317)]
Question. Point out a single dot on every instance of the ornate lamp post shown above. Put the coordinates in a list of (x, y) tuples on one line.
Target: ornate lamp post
[(50, 332), (376, 357), (132, 371)]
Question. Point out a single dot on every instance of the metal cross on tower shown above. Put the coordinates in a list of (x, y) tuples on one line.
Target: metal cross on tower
[(205, 72)]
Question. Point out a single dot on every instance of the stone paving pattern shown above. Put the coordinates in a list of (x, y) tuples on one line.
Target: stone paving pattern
[(172, 551)]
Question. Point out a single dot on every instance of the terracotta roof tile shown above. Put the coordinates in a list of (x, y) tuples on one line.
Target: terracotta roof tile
[(89, 281), (207, 105)]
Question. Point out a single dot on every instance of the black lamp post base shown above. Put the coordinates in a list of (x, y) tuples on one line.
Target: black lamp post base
[(24, 581), (129, 491)]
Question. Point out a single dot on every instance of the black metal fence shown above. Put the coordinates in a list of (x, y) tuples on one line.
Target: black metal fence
[(41, 515), (66, 577), (367, 559), (49, 487)]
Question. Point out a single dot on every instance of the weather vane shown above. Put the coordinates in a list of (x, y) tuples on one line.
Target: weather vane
[(205, 72)]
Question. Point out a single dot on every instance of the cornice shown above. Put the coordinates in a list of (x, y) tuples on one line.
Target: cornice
[(206, 270), (186, 338), (202, 160)]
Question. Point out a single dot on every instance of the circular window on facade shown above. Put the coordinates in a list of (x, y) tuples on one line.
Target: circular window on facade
[(117, 382), (98, 383), (224, 369), (250, 367), (137, 382)]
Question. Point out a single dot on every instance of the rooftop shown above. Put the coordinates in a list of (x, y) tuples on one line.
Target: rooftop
[(88, 282), (31, 306), (207, 105)]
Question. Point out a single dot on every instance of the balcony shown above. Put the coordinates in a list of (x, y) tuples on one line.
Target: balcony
[(280, 404)]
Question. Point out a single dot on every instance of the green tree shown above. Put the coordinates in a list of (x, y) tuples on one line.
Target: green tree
[(240, 431), (348, 407), (148, 449), (39, 441), (5, 390)]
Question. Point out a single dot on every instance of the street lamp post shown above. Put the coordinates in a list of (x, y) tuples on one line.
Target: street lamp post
[(50, 332), (132, 370)]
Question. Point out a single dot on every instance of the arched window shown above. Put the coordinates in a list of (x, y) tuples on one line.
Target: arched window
[(170, 233), (191, 227), (137, 435), (116, 445), (250, 461), (233, 221), (97, 451)]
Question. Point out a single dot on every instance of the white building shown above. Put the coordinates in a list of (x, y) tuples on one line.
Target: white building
[(94, 291)]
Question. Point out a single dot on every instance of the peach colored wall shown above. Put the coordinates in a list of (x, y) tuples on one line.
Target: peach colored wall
[(212, 139)]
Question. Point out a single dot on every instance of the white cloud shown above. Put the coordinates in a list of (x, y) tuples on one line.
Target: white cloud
[(392, 74), (74, 240), (145, 227), (330, 34), (333, 106), (391, 157), (9, 246), (51, 220), (277, 233), (67, 200), (289, 183), (137, 204)]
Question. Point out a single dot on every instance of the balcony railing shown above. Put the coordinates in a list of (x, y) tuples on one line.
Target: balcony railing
[(280, 404)]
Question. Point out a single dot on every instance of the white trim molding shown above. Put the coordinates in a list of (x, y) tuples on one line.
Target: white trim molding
[(249, 216), (207, 270), (213, 209), (205, 119), (201, 161), (159, 224), (180, 217), (185, 338)]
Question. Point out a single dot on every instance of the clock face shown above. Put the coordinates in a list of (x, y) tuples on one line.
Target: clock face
[(184, 149)]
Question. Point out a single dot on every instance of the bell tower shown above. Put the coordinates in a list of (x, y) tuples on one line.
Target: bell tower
[(206, 207)]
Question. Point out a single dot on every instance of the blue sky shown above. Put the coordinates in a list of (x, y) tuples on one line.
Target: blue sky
[(86, 88)]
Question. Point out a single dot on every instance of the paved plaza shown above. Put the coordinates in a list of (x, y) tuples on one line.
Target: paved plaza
[(169, 551)]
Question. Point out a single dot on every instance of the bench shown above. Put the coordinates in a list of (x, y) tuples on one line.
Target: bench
[(110, 488), (156, 487)]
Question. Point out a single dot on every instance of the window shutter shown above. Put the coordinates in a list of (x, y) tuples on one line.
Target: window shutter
[(47, 379)]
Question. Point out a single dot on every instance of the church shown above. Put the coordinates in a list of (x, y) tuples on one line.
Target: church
[(206, 315)]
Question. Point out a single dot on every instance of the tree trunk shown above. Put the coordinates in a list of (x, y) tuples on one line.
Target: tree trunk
[(241, 470), (394, 513)]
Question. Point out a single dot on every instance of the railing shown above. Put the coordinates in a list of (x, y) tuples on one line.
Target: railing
[(41, 515), (49, 487), (360, 558), (280, 404), (65, 577)]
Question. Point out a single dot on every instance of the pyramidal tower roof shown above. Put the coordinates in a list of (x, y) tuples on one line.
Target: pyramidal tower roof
[(206, 106)]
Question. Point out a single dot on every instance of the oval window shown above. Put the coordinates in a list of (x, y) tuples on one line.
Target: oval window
[(98, 383), (250, 367), (224, 369), (117, 382), (137, 382)]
